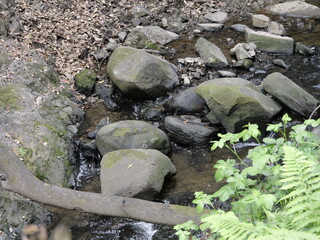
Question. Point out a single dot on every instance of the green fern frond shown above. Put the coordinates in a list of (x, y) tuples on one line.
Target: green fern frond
[(228, 226), (303, 181), (283, 234)]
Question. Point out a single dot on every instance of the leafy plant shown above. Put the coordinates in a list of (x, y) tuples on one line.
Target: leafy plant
[(275, 189)]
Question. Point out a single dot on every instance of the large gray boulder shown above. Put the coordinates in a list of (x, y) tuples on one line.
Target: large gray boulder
[(290, 94), (269, 42), (131, 134), (141, 37), (140, 74), (134, 173), (210, 53), (189, 130), (294, 9), (186, 101), (235, 102)]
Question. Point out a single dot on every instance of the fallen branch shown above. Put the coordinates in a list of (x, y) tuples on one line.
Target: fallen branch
[(21, 180)]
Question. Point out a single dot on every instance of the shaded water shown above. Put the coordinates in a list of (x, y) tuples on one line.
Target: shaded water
[(194, 165)]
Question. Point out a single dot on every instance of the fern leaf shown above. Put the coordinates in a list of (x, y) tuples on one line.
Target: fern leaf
[(228, 226), (283, 234)]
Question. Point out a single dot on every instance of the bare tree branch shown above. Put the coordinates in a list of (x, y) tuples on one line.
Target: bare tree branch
[(21, 180)]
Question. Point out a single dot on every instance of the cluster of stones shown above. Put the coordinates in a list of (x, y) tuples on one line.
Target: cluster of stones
[(134, 163)]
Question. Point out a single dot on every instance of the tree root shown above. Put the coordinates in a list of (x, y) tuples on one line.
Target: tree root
[(21, 181)]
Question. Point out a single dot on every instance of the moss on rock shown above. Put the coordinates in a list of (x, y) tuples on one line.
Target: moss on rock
[(8, 98), (85, 81)]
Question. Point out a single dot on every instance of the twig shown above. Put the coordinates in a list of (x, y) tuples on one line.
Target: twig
[(314, 111)]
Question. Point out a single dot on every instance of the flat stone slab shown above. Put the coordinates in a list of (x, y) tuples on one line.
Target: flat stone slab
[(210, 27), (289, 94), (294, 9), (217, 17), (142, 36), (270, 42), (210, 53)]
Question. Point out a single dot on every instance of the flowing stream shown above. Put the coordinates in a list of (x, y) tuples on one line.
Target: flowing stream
[(194, 165)]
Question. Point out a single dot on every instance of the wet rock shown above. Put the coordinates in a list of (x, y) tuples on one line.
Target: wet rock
[(139, 74), (88, 148), (85, 81), (239, 27), (151, 113), (136, 173), (290, 94), (226, 74), (280, 62), (105, 91), (294, 9), (260, 20), (302, 49), (235, 102), (210, 53), (139, 11), (189, 130), (131, 134), (276, 28), (217, 17), (210, 27), (141, 36), (270, 42), (103, 122), (212, 118), (186, 101)]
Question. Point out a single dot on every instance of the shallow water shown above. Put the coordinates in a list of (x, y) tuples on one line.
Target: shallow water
[(194, 165)]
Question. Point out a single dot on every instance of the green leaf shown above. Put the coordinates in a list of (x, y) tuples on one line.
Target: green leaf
[(267, 201), (224, 169), (224, 193), (285, 119), (274, 127)]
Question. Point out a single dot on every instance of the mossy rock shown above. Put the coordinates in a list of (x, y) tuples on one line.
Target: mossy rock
[(131, 134), (139, 74), (134, 172), (9, 99), (236, 101), (85, 81)]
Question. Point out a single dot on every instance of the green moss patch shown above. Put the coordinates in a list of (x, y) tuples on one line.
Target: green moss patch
[(8, 98), (85, 78)]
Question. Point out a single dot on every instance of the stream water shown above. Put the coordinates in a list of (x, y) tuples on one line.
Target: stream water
[(194, 165)]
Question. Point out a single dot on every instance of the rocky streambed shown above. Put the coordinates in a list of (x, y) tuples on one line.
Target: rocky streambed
[(155, 89)]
